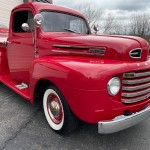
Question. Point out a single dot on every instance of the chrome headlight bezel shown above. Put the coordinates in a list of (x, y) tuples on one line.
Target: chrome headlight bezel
[(114, 86)]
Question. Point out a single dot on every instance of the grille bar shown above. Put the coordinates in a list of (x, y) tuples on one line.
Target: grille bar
[(137, 81), (133, 100), (135, 88), (142, 74), (135, 94)]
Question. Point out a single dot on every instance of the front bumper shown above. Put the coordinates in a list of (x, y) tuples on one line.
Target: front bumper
[(123, 122)]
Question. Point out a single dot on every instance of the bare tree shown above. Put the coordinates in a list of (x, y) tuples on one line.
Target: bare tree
[(120, 27), (139, 25), (92, 14), (97, 17), (108, 24)]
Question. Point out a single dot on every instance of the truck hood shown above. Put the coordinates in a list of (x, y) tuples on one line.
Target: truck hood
[(109, 47)]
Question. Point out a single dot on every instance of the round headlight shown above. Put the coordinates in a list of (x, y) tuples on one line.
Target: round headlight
[(114, 86)]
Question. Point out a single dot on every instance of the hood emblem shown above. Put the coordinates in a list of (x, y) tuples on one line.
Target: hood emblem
[(97, 51)]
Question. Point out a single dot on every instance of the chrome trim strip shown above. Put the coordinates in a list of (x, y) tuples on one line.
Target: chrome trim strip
[(76, 47), (134, 100), (134, 88), (123, 122), (135, 50), (70, 46), (129, 95), (61, 51), (137, 81), (82, 53)]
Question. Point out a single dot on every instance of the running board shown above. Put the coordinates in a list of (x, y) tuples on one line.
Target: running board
[(22, 89), (21, 86)]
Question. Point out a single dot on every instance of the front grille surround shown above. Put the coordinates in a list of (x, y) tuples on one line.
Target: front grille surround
[(137, 88)]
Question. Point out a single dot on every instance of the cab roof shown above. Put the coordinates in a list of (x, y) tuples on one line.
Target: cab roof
[(38, 6)]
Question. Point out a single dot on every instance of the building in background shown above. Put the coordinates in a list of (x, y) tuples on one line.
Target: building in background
[(7, 6), (45, 1)]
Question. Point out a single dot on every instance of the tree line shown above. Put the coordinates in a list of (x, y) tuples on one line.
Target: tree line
[(137, 24)]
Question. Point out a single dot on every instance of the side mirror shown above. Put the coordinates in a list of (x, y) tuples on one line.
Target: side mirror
[(38, 20), (25, 27)]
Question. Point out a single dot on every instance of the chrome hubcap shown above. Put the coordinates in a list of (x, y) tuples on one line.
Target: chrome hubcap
[(54, 109)]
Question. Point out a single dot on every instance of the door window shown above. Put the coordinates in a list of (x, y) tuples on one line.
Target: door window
[(21, 17)]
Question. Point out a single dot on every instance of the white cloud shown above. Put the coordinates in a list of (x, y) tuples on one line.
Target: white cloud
[(129, 5), (122, 9)]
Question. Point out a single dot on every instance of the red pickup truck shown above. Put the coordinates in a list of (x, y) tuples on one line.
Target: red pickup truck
[(50, 55)]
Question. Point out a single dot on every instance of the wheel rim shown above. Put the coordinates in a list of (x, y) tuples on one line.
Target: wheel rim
[(54, 109)]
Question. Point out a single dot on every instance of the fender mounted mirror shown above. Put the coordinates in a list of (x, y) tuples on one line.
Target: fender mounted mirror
[(96, 28), (25, 27), (38, 20)]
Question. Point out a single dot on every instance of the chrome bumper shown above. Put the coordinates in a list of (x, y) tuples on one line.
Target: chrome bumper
[(123, 122)]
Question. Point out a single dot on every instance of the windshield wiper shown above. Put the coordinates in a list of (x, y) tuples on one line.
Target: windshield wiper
[(71, 30)]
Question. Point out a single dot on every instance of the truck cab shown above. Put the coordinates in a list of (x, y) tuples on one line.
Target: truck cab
[(50, 55)]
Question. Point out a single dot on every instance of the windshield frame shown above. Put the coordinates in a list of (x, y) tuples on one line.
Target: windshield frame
[(86, 23)]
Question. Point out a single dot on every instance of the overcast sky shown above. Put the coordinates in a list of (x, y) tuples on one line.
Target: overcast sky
[(122, 9)]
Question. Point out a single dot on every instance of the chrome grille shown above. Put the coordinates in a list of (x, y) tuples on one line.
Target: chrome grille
[(135, 86)]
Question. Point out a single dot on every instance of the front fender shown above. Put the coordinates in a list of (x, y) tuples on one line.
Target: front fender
[(83, 82), (75, 72)]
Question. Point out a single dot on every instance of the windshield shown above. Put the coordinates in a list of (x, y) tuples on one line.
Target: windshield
[(59, 22)]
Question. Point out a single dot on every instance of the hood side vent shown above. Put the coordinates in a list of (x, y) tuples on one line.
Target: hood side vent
[(79, 50), (136, 53)]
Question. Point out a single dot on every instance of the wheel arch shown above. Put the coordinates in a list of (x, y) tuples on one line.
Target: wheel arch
[(40, 88)]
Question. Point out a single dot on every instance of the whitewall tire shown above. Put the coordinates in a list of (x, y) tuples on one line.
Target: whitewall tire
[(57, 112)]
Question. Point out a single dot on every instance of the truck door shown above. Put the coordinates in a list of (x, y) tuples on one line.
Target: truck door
[(20, 49)]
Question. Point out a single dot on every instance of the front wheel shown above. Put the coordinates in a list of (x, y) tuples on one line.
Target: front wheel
[(57, 112)]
